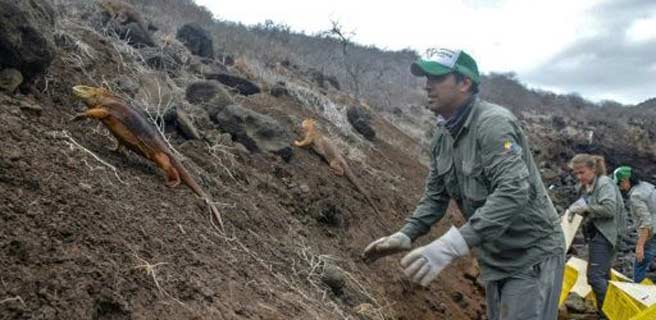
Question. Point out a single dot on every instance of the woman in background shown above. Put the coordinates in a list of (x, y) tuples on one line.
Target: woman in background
[(603, 211)]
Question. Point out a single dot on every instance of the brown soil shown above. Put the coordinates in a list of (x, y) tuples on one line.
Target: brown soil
[(79, 240)]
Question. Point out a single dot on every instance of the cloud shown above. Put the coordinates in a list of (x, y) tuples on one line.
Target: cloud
[(642, 30), (602, 49), (616, 63)]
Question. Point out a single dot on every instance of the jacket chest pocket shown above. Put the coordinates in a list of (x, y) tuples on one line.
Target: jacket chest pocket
[(474, 187), (445, 170)]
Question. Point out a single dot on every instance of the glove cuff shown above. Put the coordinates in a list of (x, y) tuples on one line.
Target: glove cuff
[(403, 239), (454, 238)]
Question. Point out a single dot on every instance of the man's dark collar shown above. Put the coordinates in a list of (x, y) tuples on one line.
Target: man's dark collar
[(461, 118)]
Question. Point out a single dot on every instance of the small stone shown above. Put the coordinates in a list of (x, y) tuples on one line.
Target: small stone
[(241, 148), (14, 154), (304, 188), (207, 292), (225, 139), (334, 278), (85, 186), (279, 90), (575, 303), (10, 79), (187, 125), (365, 310), (32, 108)]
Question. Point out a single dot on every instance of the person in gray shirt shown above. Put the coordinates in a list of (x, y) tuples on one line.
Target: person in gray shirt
[(481, 158), (642, 203)]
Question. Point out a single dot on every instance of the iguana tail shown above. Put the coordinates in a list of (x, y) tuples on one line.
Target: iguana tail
[(351, 177), (191, 183)]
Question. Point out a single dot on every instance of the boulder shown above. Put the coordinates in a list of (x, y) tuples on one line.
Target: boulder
[(206, 68), (241, 85), (26, 37), (196, 39), (323, 80), (256, 131), (125, 20), (279, 89), (360, 119), (134, 34), (159, 59), (221, 99), (202, 91)]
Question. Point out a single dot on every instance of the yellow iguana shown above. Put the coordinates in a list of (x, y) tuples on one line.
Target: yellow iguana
[(329, 153)]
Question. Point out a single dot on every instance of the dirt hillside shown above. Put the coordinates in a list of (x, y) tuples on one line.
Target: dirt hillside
[(87, 232), (91, 233)]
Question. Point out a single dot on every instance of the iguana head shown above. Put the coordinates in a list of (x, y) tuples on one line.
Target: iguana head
[(309, 124), (90, 95)]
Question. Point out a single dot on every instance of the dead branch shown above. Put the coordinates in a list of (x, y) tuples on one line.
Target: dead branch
[(150, 270), (72, 144), (16, 298)]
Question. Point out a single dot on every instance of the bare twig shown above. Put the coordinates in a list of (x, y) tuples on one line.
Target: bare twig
[(150, 270), (220, 148), (16, 298), (72, 143)]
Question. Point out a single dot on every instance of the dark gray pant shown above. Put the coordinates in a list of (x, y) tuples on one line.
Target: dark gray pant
[(601, 254), (532, 294)]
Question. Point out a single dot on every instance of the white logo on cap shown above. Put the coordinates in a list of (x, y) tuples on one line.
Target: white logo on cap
[(447, 57)]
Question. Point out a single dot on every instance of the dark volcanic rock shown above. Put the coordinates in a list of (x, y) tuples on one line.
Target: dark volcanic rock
[(196, 39), (26, 41)]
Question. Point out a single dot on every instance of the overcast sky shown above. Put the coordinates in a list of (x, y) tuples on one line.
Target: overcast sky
[(602, 49)]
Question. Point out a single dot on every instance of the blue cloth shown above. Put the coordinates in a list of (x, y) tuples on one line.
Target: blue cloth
[(640, 268)]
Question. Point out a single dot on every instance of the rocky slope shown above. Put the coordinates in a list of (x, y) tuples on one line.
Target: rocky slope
[(87, 232)]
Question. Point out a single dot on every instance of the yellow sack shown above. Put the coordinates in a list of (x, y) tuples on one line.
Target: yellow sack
[(626, 300), (647, 314), (616, 276), (569, 279)]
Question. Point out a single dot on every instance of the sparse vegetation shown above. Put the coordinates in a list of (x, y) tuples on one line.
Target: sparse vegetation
[(72, 207)]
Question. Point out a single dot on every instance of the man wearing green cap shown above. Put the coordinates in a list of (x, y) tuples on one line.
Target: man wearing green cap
[(480, 157), (642, 203)]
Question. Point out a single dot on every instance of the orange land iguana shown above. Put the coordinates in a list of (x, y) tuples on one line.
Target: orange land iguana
[(133, 131), (329, 152)]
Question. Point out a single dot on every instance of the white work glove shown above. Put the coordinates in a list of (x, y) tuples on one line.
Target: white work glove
[(385, 246), (423, 264), (579, 207)]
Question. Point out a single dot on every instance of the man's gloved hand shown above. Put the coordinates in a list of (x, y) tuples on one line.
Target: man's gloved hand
[(423, 264), (385, 246)]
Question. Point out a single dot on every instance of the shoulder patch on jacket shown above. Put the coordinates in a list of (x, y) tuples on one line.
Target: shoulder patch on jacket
[(510, 146)]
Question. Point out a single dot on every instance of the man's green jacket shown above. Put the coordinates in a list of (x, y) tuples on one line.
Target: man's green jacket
[(488, 169)]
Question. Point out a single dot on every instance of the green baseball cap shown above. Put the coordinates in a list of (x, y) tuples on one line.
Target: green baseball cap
[(446, 61), (621, 173)]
